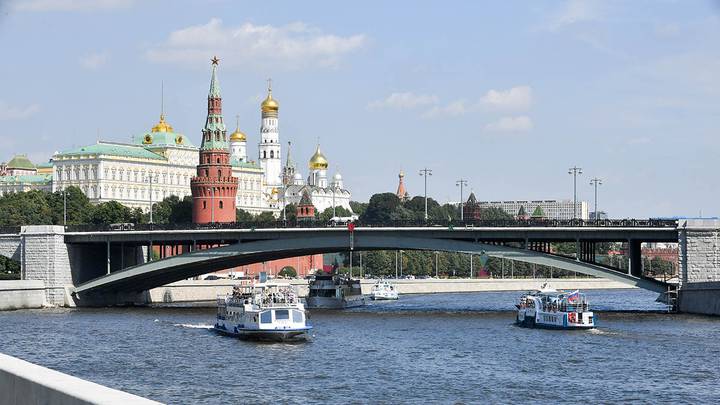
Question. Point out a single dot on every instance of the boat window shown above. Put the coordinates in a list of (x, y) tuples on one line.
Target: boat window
[(297, 316), (282, 314), (266, 317)]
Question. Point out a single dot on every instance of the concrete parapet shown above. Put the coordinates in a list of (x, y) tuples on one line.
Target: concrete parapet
[(10, 246), (24, 383), (19, 294)]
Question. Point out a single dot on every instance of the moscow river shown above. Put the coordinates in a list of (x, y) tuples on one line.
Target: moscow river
[(443, 348)]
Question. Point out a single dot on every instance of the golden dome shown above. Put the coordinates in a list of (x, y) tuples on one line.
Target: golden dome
[(269, 104), (162, 126), (238, 136), (274, 190), (318, 160)]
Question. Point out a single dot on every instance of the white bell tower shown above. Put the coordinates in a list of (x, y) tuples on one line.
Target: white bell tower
[(269, 146)]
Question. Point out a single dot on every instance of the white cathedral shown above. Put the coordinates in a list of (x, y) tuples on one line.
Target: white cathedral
[(161, 162)]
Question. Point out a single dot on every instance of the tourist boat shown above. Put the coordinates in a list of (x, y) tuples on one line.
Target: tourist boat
[(552, 309), (334, 292), (383, 290), (264, 311)]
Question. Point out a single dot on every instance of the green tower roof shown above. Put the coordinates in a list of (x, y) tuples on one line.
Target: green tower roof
[(20, 162), (538, 213)]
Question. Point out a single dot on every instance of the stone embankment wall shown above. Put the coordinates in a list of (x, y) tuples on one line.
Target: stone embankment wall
[(209, 290), (20, 294), (24, 383), (699, 259), (45, 257), (10, 246)]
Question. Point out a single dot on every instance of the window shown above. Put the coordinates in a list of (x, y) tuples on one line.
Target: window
[(219, 172), (266, 317), (221, 204), (282, 314), (272, 154), (297, 316), (264, 154), (204, 205), (218, 160)]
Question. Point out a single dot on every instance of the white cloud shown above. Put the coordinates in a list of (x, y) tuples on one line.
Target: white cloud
[(404, 101), (70, 5), (94, 60), (511, 124), (575, 11), (516, 98), (8, 112), (291, 46), (453, 109)]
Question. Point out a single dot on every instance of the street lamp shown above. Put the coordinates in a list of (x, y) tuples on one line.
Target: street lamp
[(575, 171), (462, 183), (425, 173), (150, 179), (596, 182)]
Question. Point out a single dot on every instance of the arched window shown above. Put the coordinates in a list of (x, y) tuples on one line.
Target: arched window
[(219, 173), (204, 204), (221, 205), (264, 154), (207, 173), (272, 154)]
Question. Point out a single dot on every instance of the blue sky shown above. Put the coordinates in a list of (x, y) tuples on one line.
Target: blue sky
[(505, 94)]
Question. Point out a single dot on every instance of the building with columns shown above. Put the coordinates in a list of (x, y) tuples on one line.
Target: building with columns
[(214, 188)]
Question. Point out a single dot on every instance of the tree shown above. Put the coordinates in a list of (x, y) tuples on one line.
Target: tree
[(265, 218), (291, 213), (380, 208), (77, 204), (111, 212), (28, 208), (242, 216), (328, 213), (182, 212), (288, 271), (495, 213), (358, 207)]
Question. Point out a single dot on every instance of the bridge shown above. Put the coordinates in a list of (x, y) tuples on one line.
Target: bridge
[(115, 261)]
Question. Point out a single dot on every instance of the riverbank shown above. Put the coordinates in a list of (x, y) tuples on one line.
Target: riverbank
[(194, 291)]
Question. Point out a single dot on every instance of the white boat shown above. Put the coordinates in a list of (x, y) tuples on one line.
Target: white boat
[(334, 292), (383, 290), (552, 309), (264, 311)]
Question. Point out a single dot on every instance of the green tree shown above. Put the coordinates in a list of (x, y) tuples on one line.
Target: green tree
[(28, 208), (243, 216), (265, 218), (328, 213), (291, 213), (111, 212), (78, 206), (380, 208), (358, 207), (494, 213)]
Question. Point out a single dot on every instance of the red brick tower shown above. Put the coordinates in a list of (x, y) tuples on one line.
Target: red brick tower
[(214, 188), (305, 209)]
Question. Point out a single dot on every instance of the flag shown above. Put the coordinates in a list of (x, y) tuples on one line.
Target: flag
[(574, 297)]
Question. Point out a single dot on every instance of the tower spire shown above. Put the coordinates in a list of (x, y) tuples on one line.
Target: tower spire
[(214, 84)]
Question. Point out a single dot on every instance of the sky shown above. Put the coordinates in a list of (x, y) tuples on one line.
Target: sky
[(506, 94)]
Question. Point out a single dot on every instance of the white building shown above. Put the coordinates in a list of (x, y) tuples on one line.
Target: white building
[(323, 194), (552, 209), (269, 146)]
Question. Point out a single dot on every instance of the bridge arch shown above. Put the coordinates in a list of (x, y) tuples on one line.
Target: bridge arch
[(157, 273)]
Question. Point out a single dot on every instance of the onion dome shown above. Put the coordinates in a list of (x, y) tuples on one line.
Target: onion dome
[(297, 177), (337, 177), (162, 126), (237, 136), (318, 160), (269, 104)]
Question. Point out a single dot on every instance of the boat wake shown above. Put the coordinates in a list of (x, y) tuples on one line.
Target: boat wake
[(193, 326)]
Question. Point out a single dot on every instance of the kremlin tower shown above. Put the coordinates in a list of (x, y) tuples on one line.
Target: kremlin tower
[(214, 188)]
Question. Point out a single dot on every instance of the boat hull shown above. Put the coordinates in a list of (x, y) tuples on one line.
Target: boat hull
[(269, 335), (545, 320), (384, 297), (335, 303)]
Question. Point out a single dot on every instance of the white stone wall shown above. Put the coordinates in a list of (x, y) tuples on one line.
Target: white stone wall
[(45, 257), (10, 246), (699, 257)]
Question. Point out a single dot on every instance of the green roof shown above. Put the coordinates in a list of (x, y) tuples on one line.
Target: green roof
[(248, 165), (20, 162), (31, 178), (44, 165), (113, 149), (538, 213), (162, 139)]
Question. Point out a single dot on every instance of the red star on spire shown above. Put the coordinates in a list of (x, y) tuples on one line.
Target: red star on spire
[(215, 60)]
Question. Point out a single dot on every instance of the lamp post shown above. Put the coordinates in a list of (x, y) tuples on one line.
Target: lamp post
[(64, 207), (150, 180), (212, 205), (462, 183), (333, 200), (575, 171), (425, 173), (596, 182)]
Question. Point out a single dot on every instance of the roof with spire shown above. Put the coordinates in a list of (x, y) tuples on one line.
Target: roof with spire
[(305, 200), (401, 191), (521, 211), (214, 122), (471, 199), (538, 213), (214, 83)]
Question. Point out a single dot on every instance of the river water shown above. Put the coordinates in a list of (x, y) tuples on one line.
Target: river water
[(442, 348)]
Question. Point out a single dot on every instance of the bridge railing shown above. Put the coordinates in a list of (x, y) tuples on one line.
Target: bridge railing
[(281, 224)]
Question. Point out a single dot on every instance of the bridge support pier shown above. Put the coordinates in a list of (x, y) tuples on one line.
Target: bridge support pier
[(44, 256), (699, 260), (635, 258)]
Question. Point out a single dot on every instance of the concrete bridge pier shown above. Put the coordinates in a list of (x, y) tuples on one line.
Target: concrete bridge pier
[(699, 260), (44, 256)]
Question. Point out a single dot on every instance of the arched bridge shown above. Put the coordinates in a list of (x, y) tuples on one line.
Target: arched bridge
[(245, 246)]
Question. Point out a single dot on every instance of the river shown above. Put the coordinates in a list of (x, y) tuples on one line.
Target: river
[(441, 348)]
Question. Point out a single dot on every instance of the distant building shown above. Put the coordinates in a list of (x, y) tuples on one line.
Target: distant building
[(305, 208), (20, 175), (401, 192), (471, 209), (551, 209), (599, 215)]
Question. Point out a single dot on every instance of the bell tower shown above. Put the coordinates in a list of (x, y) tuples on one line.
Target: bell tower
[(269, 146)]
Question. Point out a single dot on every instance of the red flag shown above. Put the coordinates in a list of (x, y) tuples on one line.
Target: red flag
[(351, 227)]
